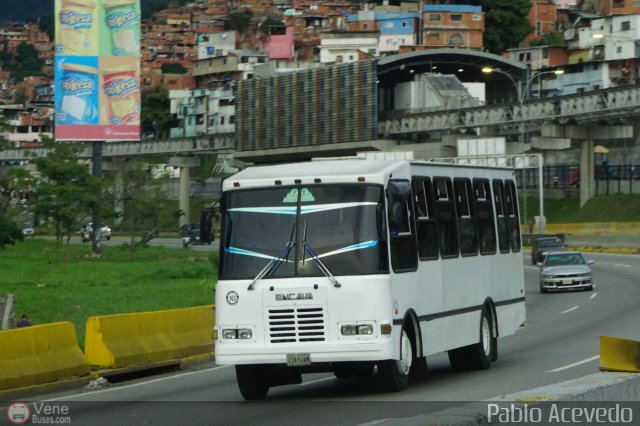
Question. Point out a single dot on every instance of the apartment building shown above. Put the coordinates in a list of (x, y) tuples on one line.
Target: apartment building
[(542, 18), (617, 7), (452, 26)]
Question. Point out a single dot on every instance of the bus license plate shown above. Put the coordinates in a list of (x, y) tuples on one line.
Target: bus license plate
[(567, 282), (295, 360)]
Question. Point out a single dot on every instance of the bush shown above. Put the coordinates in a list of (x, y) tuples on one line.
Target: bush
[(9, 232)]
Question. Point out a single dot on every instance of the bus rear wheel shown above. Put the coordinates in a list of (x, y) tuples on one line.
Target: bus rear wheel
[(479, 355), (395, 373), (253, 382)]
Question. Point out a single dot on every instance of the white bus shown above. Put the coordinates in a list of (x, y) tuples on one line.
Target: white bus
[(345, 265)]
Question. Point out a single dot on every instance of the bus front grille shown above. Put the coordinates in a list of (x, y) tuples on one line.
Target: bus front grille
[(301, 324)]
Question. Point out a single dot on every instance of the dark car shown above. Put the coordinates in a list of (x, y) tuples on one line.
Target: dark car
[(542, 246)]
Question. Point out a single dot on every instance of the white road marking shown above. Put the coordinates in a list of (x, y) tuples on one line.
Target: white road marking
[(569, 310), (622, 265), (114, 388), (584, 361), (316, 381), (593, 296)]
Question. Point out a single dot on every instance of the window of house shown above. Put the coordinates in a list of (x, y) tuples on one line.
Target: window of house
[(433, 35), (524, 57), (339, 58), (538, 27), (446, 220), (405, 24), (426, 229), (476, 17), (456, 17), (545, 54), (365, 26), (625, 25), (456, 39), (232, 119), (388, 24), (434, 17), (619, 49)]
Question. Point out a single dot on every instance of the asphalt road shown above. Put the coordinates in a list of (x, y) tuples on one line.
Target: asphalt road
[(560, 341)]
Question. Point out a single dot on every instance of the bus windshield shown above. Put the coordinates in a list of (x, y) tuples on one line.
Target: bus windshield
[(341, 224)]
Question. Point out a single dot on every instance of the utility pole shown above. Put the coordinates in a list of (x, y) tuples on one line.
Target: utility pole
[(97, 172)]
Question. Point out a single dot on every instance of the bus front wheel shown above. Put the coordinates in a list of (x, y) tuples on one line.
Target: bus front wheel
[(395, 373), (252, 381)]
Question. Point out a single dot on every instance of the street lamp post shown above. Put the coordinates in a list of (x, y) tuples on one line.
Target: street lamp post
[(523, 98)]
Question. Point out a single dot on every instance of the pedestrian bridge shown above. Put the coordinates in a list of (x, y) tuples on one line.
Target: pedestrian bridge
[(585, 108)]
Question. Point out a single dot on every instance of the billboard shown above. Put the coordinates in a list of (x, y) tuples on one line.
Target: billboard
[(97, 70)]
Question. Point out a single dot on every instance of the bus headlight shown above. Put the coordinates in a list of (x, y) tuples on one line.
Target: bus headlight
[(245, 333), (237, 333), (357, 330), (229, 333), (365, 329), (349, 330)]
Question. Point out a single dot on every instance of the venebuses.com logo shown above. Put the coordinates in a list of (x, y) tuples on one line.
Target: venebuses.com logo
[(18, 413)]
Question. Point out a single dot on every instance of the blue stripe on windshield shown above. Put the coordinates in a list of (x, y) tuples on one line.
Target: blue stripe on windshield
[(291, 210), (353, 247), (235, 250)]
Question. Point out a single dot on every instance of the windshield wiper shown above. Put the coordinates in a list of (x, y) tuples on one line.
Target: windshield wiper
[(307, 249), (283, 256)]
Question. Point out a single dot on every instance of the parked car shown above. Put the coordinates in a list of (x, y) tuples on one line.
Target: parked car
[(87, 229), (542, 246), (565, 270), (27, 230)]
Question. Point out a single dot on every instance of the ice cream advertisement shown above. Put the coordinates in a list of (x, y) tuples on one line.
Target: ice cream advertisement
[(97, 70)]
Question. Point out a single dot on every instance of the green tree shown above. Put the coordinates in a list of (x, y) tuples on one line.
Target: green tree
[(9, 232), (27, 62), (239, 21), (550, 39), (173, 68), (47, 26), (145, 203), (67, 192), (506, 23), (155, 112)]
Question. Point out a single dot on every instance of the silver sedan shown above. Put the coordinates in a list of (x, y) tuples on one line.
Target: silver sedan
[(565, 270)]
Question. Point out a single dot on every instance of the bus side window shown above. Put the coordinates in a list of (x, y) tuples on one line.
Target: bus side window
[(466, 217), (402, 238), (501, 218), (447, 223), (426, 229), (512, 215), (485, 221)]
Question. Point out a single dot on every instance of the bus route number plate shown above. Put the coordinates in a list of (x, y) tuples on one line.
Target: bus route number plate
[(294, 360)]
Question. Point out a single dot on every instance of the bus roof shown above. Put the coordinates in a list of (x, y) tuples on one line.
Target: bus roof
[(331, 171)]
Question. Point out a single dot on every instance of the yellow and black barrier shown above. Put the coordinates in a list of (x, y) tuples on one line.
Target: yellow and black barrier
[(40, 354), (147, 338), (617, 354)]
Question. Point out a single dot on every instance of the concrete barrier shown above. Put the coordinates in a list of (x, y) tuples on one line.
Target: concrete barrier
[(138, 339), (608, 228), (40, 354), (617, 354)]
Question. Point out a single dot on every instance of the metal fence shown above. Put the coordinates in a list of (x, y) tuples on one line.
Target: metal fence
[(609, 179)]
